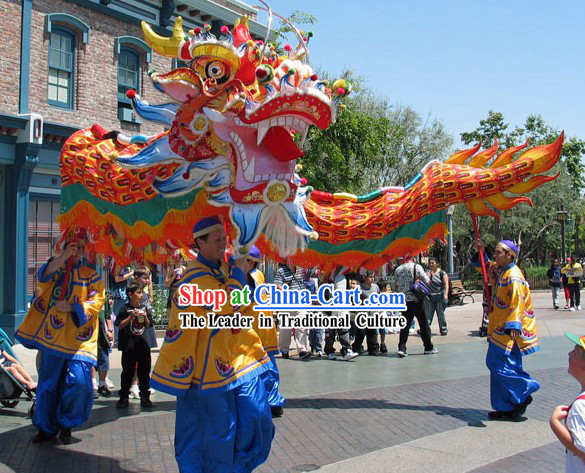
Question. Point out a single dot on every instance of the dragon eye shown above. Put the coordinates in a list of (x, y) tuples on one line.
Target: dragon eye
[(217, 70)]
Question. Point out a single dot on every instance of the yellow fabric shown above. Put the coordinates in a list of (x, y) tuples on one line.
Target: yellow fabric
[(268, 336), (574, 268), (207, 358), (49, 330), (511, 308)]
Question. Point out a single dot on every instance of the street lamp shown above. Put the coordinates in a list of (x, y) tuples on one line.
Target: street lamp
[(578, 221), (450, 211), (561, 217)]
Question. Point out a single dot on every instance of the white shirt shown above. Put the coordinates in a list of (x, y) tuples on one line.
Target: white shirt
[(576, 424)]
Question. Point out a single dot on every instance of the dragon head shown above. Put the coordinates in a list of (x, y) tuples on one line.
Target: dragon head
[(240, 118)]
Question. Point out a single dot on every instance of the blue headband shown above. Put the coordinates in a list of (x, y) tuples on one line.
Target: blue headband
[(254, 254), (510, 246), (206, 225)]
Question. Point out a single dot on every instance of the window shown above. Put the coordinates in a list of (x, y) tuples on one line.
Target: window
[(43, 233), (61, 68), (128, 73), (176, 63)]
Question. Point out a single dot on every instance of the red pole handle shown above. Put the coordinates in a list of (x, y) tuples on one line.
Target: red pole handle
[(483, 268), (66, 278)]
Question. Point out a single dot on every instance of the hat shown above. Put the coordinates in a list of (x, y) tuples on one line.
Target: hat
[(510, 246), (254, 254), (576, 339), (206, 225)]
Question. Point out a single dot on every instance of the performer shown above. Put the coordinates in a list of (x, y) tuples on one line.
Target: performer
[(511, 335), (223, 421), (62, 323), (268, 336)]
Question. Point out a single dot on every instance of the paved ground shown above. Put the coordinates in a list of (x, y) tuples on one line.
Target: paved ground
[(373, 414)]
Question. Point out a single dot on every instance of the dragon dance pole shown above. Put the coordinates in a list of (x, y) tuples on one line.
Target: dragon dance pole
[(66, 278), (483, 268)]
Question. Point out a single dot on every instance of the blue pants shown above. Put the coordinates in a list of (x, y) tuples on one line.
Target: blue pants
[(316, 338), (223, 432), (510, 385), (64, 393), (271, 380)]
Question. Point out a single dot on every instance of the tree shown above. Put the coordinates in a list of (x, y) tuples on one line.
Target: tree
[(536, 132)]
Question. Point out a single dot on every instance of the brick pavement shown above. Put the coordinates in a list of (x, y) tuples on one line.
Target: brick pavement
[(315, 431)]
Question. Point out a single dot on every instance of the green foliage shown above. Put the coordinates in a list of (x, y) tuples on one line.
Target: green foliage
[(159, 306), (536, 271)]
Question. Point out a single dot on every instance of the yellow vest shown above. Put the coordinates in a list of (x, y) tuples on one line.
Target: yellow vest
[(511, 308), (211, 359)]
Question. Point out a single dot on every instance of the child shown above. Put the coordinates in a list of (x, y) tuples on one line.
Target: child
[(133, 320), (142, 276), (572, 433), (12, 366), (352, 283)]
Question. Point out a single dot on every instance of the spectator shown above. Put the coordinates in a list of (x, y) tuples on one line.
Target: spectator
[(117, 285), (385, 286), (173, 277), (574, 272), (105, 342), (294, 278), (72, 295), (315, 334), (17, 371), (404, 277), (566, 290), (134, 318), (438, 295), (143, 277), (571, 433), (554, 279), (353, 281), (339, 283), (368, 287)]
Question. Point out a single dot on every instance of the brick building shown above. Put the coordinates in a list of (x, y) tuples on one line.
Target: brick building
[(67, 65)]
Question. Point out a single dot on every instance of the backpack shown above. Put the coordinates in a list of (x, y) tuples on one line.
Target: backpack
[(419, 289)]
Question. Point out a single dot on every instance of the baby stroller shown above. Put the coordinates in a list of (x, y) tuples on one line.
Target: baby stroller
[(11, 390)]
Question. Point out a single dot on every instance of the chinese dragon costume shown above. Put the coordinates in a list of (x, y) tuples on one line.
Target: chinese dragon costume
[(238, 116)]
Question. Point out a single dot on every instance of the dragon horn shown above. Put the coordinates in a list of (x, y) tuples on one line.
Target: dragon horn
[(165, 46)]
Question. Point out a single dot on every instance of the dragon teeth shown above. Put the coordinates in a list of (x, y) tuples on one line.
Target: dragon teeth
[(249, 171), (263, 128)]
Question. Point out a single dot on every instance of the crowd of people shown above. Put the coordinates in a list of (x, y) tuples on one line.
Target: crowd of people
[(569, 278)]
